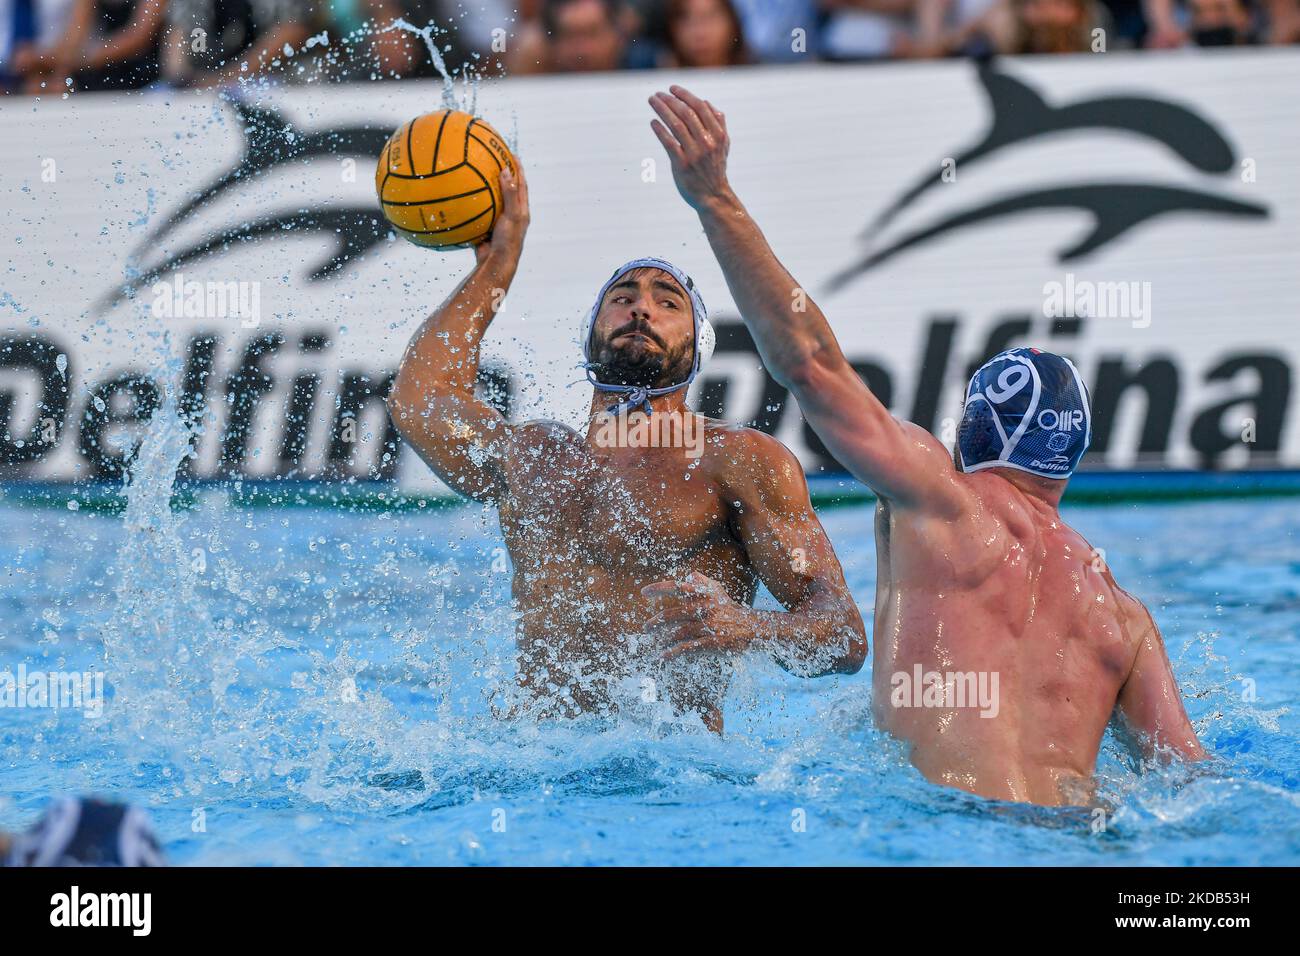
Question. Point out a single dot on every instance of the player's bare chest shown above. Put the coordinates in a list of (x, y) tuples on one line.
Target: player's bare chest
[(605, 508)]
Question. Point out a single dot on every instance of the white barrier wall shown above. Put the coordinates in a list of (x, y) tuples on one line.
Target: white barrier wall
[(935, 211)]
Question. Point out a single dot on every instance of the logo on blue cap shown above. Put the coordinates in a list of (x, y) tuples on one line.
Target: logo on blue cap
[(1026, 409)]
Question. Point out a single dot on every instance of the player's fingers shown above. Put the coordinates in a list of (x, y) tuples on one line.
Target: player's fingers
[(670, 143), (678, 612), (659, 591), (692, 588), (659, 103), (722, 122), (509, 196), (703, 585), (653, 623), (514, 196), (703, 110), (688, 647), (523, 187), (699, 136)]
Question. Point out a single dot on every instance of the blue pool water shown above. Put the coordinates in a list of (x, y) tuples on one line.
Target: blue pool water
[(312, 686)]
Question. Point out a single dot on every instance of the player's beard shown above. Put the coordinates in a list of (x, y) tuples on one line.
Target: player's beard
[(628, 362)]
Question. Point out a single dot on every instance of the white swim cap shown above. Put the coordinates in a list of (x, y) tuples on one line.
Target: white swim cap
[(705, 337)]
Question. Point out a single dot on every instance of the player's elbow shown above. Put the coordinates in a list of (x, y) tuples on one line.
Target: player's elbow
[(800, 371), (849, 640), (402, 403), (1190, 749), (855, 634), (812, 372), (395, 402)]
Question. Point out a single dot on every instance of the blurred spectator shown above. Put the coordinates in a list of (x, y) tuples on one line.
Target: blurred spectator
[(464, 32), (584, 35), (211, 42), (107, 44), (526, 49), (398, 52), (1040, 26), (866, 29), (770, 25), (29, 29), (1053, 26), (581, 36), (1284, 21), (345, 16), (1129, 23), (946, 27), (1220, 23), (1163, 31), (704, 33), (116, 44)]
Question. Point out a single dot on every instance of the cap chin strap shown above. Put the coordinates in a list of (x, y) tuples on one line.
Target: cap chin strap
[(638, 396), (634, 395)]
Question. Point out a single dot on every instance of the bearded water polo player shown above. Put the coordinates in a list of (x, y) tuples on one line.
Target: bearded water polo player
[(978, 577), (636, 563)]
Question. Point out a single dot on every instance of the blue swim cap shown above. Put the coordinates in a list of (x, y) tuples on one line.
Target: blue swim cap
[(1026, 409)]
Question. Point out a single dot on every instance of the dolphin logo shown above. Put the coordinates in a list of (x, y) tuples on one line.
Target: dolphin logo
[(1021, 115), (271, 142)]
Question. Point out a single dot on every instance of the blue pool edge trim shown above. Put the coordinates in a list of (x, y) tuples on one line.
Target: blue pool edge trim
[(826, 490)]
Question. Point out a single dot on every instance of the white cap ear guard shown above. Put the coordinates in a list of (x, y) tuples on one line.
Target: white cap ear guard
[(706, 338)]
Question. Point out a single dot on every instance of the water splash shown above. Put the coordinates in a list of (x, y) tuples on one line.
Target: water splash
[(426, 34)]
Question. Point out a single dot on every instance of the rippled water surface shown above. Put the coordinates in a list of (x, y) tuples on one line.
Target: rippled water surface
[(313, 686)]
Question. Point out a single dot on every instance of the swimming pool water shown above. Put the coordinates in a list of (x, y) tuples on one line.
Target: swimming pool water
[(311, 686)]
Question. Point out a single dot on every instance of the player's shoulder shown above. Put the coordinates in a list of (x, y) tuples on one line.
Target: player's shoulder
[(536, 433), (743, 444), (1136, 615), (537, 447), (747, 456)]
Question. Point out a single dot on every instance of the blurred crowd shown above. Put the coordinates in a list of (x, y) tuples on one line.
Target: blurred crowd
[(62, 45)]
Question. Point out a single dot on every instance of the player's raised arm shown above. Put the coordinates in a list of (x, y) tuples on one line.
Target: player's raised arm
[(433, 401), (899, 460)]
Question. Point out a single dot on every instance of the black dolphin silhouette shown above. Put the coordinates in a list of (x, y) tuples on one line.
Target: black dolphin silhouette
[(270, 140), (1021, 114), (1115, 208), (355, 231)]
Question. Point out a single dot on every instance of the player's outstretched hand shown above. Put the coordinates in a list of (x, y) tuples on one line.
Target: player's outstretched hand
[(507, 239), (694, 133)]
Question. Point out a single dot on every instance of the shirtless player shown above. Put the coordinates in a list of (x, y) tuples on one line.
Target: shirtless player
[(630, 563), (976, 571)]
